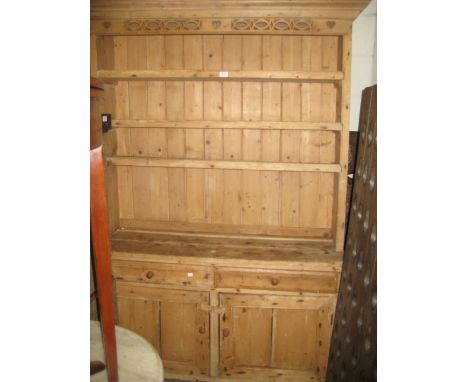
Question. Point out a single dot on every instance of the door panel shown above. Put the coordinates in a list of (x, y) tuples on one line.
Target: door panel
[(264, 336), (171, 320)]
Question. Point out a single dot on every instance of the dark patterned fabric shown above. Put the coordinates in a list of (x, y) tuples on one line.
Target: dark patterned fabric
[(353, 351)]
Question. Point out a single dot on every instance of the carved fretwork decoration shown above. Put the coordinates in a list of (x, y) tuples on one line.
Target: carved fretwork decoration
[(163, 25), (222, 25), (245, 24), (262, 24)]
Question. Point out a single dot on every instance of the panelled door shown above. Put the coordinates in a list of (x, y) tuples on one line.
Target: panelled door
[(267, 336), (172, 321)]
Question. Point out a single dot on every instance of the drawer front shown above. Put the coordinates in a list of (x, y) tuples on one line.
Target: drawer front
[(161, 273), (318, 282)]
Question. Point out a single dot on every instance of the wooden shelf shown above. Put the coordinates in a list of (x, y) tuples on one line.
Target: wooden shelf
[(263, 125), (220, 164), (259, 75), (223, 250)]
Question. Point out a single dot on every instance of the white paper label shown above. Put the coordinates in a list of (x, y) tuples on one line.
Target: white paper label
[(223, 74), (189, 274), (104, 118)]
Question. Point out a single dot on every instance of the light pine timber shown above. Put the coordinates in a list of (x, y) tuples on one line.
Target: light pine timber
[(218, 164), (217, 75), (340, 193), (205, 124), (214, 113), (225, 251), (319, 25), (273, 346), (283, 232), (181, 324), (286, 281), (214, 334), (168, 274), (135, 234)]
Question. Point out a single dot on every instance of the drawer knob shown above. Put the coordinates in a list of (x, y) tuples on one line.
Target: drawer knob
[(149, 274), (274, 281), (225, 332), (201, 330)]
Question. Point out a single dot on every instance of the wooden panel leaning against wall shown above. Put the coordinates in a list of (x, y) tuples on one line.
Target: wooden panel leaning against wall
[(353, 354), (227, 121)]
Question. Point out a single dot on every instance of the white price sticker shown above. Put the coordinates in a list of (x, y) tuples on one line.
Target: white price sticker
[(223, 74), (189, 274)]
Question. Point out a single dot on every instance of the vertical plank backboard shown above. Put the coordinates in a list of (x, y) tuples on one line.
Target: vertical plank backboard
[(195, 195), (121, 89), (251, 52), (232, 101), (125, 192), (137, 59), (212, 52), (270, 207), (290, 183), (251, 198), (292, 53), (142, 192), (212, 101), (159, 197), (272, 52), (259, 199), (177, 192), (214, 182), (232, 197), (156, 90), (232, 58), (174, 52), (251, 101)]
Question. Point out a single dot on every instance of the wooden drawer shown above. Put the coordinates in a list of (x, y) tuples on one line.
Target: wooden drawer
[(241, 278), (161, 273)]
